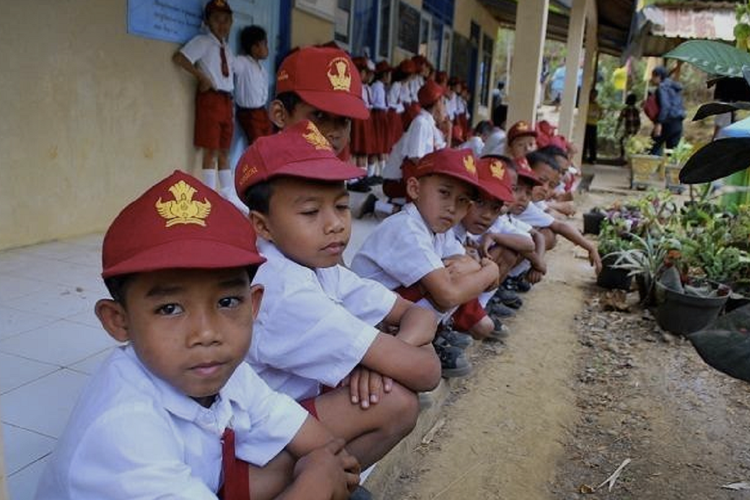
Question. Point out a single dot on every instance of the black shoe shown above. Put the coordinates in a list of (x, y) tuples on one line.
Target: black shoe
[(368, 207), (359, 186), (500, 332), (507, 296), (522, 285), (452, 360), (500, 310), (454, 338), (376, 179)]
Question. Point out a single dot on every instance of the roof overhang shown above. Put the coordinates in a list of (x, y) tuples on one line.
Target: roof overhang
[(614, 17)]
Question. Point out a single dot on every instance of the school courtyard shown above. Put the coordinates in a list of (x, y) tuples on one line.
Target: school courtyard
[(576, 391)]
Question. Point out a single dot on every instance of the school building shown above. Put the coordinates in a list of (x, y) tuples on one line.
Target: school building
[(93, 110)]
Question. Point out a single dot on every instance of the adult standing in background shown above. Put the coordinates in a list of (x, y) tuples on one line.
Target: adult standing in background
[(668, 124)]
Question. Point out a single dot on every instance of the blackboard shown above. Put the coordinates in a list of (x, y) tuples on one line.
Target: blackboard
[(408, 20), (461, 57)]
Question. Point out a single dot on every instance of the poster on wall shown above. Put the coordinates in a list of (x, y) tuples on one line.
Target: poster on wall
[(168, 20), (321, 8), (409, 20)]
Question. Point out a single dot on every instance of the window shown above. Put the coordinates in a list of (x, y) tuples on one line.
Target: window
[(445, 49), (485, 70), (384, 45), (364, 30), (343, 22), (424, 35), (409, 22)]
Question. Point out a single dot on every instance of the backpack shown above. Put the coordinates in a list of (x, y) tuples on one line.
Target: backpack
[(651, 107)]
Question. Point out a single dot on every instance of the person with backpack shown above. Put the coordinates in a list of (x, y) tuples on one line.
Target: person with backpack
[(668, 123)]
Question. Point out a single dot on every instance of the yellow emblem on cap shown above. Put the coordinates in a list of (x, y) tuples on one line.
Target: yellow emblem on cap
[(183, 209), (497, 169), (523, 126), (315, 138), (469, 165), (339, 74)]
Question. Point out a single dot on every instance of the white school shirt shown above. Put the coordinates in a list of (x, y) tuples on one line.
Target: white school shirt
[(251, 82), (422, 137), (133, 435), (403, 249), (463, 236), (535, 216), (405, 94), (394, 97), (508, 224), (377, 94), (314, 325), (205, 50), (475, 143), (451, 107), (414, 86), (495, 144), (366, 95)]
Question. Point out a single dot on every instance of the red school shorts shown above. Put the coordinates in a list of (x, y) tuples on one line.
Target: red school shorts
[(214, 120), (254, 122)]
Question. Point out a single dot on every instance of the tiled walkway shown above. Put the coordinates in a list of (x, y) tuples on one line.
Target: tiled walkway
[(51, 342)]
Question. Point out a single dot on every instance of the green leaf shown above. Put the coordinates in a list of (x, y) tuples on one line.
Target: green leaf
[(715, 58), (717, 159), (716, 108)]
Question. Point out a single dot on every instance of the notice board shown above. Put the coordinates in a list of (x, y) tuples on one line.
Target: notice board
[(168, 20), (409, 20)]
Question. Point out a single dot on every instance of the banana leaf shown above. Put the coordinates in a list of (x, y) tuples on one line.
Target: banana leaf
[(716, 160), (725, 343)]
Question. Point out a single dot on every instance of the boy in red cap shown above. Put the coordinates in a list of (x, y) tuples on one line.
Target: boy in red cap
[(317, 328), (174, 412), (322, 85), (210, 60), (546, 170), (521, 141), (480, 232), (416, 253), (422, 137)]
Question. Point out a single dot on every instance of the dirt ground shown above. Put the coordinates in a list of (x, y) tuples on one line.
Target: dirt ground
[(577, 391)]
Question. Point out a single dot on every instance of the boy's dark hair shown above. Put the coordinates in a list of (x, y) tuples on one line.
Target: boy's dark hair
[(250, 36), (552, 151), (258, 196), (483, 127), (289, 100), (117, 285), (630, 99), (536, 157)]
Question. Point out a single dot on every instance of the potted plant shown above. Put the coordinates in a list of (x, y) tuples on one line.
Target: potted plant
[(592, 220), (643, 166), (613, 239), (644, 260), (676, 158)]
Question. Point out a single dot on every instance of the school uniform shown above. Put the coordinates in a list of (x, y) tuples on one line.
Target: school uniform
[(214, 122), (379, 117), (363, 140), (251, 97), (421, 138), (475, 143), (402, 250), (314, 325), (535, 216), (132, 435), (511, 224), (395, 110), (495, 144)]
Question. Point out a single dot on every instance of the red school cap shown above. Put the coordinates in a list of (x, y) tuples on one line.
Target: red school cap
[(429, 93), (323, 77), (383, 67), (458, 163), (494, 179), (216, 6), (407, 66), (520, 129), (298, 151), (524, 170), (179, 223)]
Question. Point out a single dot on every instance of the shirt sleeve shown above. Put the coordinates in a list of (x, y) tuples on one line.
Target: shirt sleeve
[(195, 48), (536, 217), (149, 465), (367, 299), (300, 330), (274, 420), (420, 139)]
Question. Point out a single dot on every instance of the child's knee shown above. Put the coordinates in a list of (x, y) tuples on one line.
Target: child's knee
[(403, 410), (550, 238)]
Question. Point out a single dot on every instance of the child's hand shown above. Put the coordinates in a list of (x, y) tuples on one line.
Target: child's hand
[(472, 250), (366, 387), (540, 267), (487, 262), (595, 260), (331, 468), (485, 244), (461, 264), (204, 82), (534, 276)]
